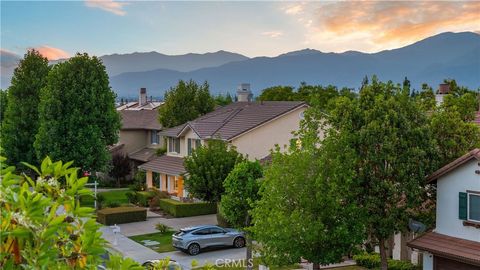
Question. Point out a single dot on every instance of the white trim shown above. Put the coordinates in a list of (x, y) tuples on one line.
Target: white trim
[(183, 129), (269, 121), (468, 206)]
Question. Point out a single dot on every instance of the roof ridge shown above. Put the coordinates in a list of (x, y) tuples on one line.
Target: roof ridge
[(228, 119)]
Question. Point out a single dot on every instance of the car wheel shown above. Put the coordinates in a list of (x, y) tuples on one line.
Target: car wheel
[(239, 242), (193, 249)]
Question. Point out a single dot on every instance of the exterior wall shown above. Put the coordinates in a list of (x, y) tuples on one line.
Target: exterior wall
[(258, 142), (427, 261), (133, 139), (448, 187)]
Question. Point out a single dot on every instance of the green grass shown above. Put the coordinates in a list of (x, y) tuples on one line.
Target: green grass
[(353, 267), (110, 196), (164, 239)]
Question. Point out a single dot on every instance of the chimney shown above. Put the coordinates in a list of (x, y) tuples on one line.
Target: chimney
[(243, 93), (443, 89), (142, 98)]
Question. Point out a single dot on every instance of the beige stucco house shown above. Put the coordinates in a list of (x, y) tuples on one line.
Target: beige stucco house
[(254, 128), (139, 136)]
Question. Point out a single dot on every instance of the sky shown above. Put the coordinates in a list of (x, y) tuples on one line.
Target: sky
[(59, 29)]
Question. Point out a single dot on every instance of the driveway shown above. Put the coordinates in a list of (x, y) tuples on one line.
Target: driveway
[(219, 256), (148, 226)]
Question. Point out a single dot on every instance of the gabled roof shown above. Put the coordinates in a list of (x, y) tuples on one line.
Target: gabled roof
[(165, 164), (140, 119), (474, 154), (448, 247), (235, 119)]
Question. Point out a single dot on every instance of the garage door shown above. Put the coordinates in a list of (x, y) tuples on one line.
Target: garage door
[(447, 264)]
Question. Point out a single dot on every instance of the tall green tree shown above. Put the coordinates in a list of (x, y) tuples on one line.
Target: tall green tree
[(241, 192), (77, 114), (303, 212), (207, 168), (222, 100), (278, 93), (20, 121), (383, 138), (3, 103), (184, 102)]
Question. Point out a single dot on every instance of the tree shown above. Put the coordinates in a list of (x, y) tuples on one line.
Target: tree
[(207, 167), (185, 102), (241, 192), (222, 100), (383, 138), (46, 227), (3, 103), (20, 121), (277, 93), (302, 199), (120, 167), (426, 98), (77, 114)]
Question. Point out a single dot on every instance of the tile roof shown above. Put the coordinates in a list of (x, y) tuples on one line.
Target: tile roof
[(234, 119), (449, 247), (144, 154), (475, 153), (141, 119), (134, 105), (165, 164)]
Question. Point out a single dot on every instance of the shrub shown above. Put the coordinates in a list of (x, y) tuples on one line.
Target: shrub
[(120, 215), (113, 204), (162, 227), (139, 198), (100, 200), (180, 209), (372, 261), (161, 151), (157, 195), (139, 182)]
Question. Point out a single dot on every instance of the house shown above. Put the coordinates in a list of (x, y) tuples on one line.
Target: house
[(254, 128), (139, 136), (455, 242)]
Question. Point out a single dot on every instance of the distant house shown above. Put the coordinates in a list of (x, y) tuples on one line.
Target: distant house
[(139, 136), (455, 242), (254, 128)]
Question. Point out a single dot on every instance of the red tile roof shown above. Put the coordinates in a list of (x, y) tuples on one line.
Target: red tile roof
[(448, 247), (165, 164), (234, 119), (475, 153)]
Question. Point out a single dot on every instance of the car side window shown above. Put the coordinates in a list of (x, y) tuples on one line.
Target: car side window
[(201, 232), (216, 230)]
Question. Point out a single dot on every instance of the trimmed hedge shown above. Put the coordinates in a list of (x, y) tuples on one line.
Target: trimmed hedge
[(120, 215), (372, 261), (181, 209)]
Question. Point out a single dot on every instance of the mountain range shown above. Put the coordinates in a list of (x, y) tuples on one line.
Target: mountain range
[(446, 55)]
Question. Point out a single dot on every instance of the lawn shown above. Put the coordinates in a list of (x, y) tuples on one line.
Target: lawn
[(110, 196), (353, 267), (165, 240)]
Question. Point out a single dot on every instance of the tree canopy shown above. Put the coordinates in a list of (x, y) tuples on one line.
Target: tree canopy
[(77, 114), (207, 168), (184, 102), (20, 121), (383, 139)]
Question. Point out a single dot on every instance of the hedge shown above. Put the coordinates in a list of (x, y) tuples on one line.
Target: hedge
[(119, 215), (372, 261), (181, 209)]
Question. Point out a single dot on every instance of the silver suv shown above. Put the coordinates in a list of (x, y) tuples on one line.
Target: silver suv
[(193, 239)]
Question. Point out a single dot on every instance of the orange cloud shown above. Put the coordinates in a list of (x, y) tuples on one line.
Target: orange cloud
[(107, 5), (377, 25), (52, 53), (394, 24)]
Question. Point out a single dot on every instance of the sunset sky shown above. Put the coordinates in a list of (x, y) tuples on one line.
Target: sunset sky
[(60, 29)]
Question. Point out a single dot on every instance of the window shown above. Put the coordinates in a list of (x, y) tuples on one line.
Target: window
[(198, 143), (189, 146), (216, 231), (174, 145), (201, 232), (193, 144), (474, 207), (175, 183), (154, 137)]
